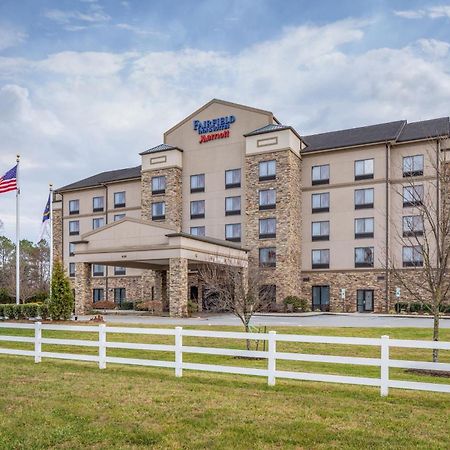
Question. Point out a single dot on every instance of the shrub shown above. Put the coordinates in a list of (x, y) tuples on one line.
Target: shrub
[(31, 310), (296, 304), (103, 304), (5, 297), (43, 311), (10, 311), (192, 306), (39, 297), (418, 308), (2, 310), (61, 301), (126, 306)]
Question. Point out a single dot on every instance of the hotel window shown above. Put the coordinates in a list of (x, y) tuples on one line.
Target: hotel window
[(97, 204), (119, 295), (158, 185), (119, 200), (198, 183), (71, 269), (118, 217), (158, 211), (120, 270), (320, 174), (364, 257), (267, 228), (267, 170), (233, 232), (71, 249), (232, 206), (364, 198), (97, 222), (412, 195), (74, 228), (320, 231), (363, 169), (97, 295), (364, 227), (232, 178), (413, 166), (198, 231), (412, 226), (320, 202), (320, 259), (412, 256), (198, 209), (267, 199), (98, 270), (267, 257), (74, 207)]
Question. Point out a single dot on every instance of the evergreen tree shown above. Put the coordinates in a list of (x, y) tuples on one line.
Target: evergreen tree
[(61, 300)]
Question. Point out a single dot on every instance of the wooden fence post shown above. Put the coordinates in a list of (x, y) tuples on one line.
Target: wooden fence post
[(384, 387), (178, 351), (271, 360), (102, 346), (37, 342)]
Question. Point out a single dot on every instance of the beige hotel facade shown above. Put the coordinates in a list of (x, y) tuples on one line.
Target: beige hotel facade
[(232, 185)]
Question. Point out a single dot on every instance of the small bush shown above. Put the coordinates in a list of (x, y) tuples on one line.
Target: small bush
[(2, 309), (5, 297), (414, 307), (103, 304), (296, 304), (61, 301), (10, 311), (31, 310), (43, 311), (126, 306), (39, 297)]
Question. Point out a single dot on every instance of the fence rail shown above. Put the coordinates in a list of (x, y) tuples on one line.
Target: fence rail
[(271, 355)]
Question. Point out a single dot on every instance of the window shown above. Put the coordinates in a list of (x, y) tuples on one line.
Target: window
[(71, 269), (158, 210), (364, 227), (363, 198), (267, 170), (320, 231), (320, 202), (412, 256), (320, 259), (364, 169), (233, 232), (74, 207), (119, 295), (412, 226), (320, 174), (197, 209), (364, 300), (412, 195), (74, 227), (267, 257), (71, 249), (158, 185), (267, 228), (97, 222), (232, 178), (120, 270), (364, 257), (118, 217), (119, 200), (198, 231), (198, 183), (232, 206), (97, 204), (412, 166), (98, 270), (321, 298), (267, 199), (97, 295)]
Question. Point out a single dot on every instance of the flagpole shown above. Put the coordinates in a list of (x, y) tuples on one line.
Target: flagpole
[(51, 235), (18, 233)]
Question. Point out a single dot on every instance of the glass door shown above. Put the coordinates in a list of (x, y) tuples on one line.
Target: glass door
[(321, 298), (364, 300)]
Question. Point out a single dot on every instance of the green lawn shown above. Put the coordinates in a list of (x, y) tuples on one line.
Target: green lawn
[(68, 404)]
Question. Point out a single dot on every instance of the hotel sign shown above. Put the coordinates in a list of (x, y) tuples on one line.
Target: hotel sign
[(210, 130)]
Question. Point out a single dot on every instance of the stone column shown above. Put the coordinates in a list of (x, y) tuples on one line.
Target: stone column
[(83, 295), (178, 287)]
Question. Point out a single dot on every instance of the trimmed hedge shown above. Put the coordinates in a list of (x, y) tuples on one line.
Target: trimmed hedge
[(24, 311), (296, 304), (418, 307)]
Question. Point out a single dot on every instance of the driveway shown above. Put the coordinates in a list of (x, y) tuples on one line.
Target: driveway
[(307, 320)]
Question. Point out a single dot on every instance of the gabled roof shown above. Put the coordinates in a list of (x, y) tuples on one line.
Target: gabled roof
[(104, 177), (354, 136), (425, 129), (160, 148), (270, 128)]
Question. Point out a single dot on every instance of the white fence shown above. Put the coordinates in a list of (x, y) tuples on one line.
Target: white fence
[(272, 355)]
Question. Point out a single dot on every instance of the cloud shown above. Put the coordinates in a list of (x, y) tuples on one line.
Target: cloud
[(138, 30), (94, 14), (432, 12), (434, 47), (10, 37)]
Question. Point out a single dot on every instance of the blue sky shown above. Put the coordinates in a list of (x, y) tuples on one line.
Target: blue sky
[(85, 85)]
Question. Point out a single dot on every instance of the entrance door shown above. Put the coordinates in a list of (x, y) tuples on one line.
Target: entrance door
[(321, 298), (364, 300)]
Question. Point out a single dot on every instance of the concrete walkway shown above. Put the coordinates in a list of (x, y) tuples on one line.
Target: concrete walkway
[(303, 320)]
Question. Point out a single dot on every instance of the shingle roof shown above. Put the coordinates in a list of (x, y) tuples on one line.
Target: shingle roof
[(160, 148), (104, 177), (354, 136), (425, 129), (267, 129)]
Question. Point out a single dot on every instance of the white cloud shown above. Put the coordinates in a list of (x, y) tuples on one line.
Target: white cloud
[(434, 47), (93, 15), (432, 12), (10, 37), (138, 30)]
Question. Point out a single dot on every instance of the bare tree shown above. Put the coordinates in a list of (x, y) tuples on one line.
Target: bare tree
[(425, 236)]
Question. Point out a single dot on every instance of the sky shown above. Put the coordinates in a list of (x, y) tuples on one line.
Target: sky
[(85, 85)]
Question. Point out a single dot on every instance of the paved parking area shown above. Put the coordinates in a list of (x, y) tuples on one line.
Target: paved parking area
[(311, 320)]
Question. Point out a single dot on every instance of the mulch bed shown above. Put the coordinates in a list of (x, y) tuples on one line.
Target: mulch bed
[(431, 373)]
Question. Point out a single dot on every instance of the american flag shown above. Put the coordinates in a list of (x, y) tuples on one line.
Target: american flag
[(8, 182)]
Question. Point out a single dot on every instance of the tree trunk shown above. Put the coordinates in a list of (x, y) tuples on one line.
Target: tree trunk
[(247, 330), (436, 334)]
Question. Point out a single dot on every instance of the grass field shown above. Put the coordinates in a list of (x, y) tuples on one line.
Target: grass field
[(74, 405)]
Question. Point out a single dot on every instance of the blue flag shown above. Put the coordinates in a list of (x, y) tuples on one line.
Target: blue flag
[(46, 215)]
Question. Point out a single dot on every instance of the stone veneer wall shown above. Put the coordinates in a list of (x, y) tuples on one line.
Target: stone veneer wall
[(82, 287), (172, 196), (287, 273), (132, 284), (178, 287), (57, 235)]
